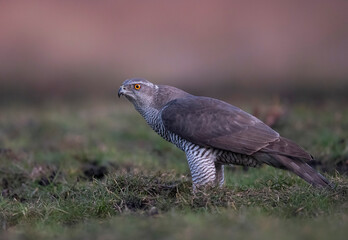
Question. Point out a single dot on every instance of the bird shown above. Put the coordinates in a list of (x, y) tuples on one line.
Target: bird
[(214, 133)]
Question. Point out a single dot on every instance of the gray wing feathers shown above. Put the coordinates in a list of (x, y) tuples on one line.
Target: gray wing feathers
[(213, 123), (210, 122), (286, 147)]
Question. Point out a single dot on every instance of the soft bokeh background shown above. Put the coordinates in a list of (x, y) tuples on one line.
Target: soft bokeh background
[(76, 162), (77, 49)]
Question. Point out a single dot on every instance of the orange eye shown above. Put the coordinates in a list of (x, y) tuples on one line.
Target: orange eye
[(137, 86)]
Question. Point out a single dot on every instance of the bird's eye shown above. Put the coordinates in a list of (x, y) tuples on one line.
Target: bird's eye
[(137, 86)]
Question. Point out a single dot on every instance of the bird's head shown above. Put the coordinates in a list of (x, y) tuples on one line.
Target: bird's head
[(138, 91)]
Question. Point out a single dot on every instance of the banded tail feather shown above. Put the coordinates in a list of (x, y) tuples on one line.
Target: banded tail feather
[(303, 170)]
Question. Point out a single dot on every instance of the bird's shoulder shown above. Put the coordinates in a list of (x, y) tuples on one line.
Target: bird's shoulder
[(190, 107), (165, 94)]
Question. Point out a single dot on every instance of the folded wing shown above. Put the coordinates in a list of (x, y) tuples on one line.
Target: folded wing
[(213, 123)]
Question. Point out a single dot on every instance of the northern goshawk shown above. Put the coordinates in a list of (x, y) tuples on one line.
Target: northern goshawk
[(213, 133)]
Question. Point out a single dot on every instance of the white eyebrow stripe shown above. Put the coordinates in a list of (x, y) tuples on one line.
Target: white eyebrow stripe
[(146, 83)]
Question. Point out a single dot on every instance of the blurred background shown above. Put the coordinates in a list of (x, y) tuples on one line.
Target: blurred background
[(77, 162), (85, 49)]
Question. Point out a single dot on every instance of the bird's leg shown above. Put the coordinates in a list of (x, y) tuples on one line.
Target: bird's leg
[(203, 171), (219, 174)]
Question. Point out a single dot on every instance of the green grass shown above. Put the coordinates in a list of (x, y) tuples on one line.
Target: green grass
[(141, 186)]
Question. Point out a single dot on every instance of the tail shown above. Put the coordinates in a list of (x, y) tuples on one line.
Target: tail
[(303, 170)]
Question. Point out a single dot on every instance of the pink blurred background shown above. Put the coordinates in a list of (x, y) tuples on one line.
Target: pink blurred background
[(77, 47)]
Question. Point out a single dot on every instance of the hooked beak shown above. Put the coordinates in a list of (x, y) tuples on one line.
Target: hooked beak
[(121, 91)]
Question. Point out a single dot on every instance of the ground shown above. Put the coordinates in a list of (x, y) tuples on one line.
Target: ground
[(95, 170)]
